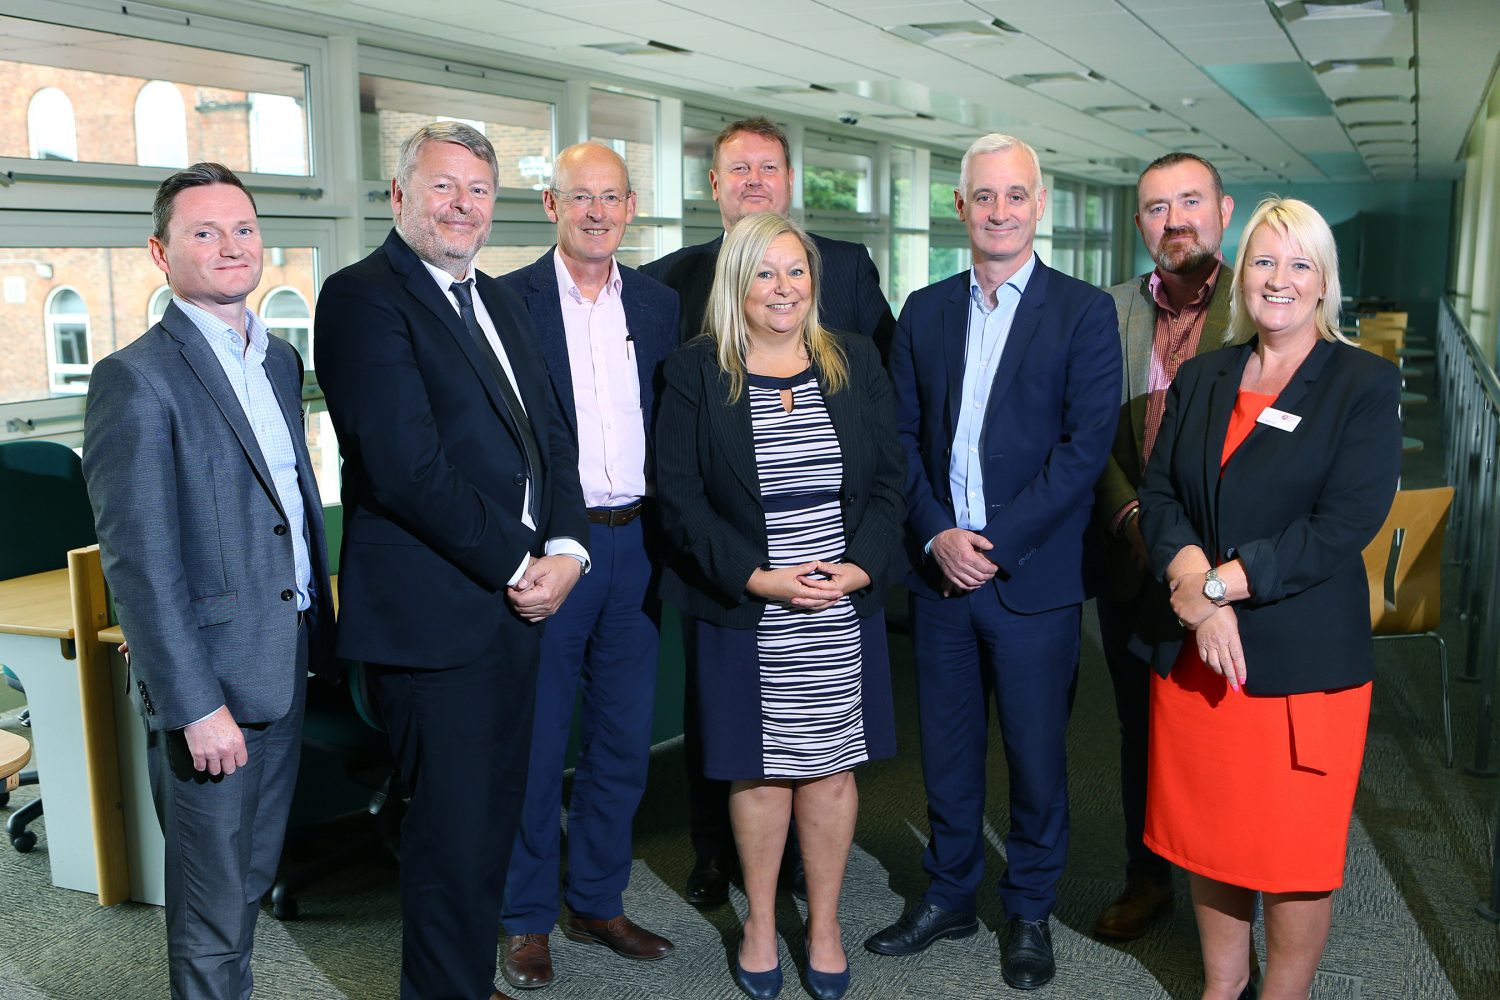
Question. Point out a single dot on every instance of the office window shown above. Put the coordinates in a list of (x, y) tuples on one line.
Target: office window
[(627, 125), (836, 181), (697, 160), (68, 358), (521, 131), (284, 312), (278, 135), (1082, 229), (909, 229), (940, 191), (120, 107), (160, 126), (50, 130), (947, 260), (157, 307)]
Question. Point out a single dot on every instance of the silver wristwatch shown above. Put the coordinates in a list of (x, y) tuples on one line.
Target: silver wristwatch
[(1214, 588)]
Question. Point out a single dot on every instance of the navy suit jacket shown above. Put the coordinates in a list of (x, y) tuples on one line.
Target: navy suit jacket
[(434, 470), (849, 298), (1296, 507), (1047, 432), (650, 315), (194, 540)]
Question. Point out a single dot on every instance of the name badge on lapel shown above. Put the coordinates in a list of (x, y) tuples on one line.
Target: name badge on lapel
[(1279, 419)]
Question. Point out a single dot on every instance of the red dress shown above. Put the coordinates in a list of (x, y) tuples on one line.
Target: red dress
[(1255, 791)]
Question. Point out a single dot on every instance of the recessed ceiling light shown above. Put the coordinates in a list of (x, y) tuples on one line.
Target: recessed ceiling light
[(648, 48), (1332, 9), (1362, 63), (954, 32), (1392, 123), (1042, 79), (1120, 109)]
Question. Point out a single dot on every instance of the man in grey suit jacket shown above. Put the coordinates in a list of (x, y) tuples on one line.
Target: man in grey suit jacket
[(1178, 310), (211, 531)]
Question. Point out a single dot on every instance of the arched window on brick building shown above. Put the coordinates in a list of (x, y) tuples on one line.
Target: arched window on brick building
[(284, 312), (160, 126), (68, 356), (157, 308), (49, 126)]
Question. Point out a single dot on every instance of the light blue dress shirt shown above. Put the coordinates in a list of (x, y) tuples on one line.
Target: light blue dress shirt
[(984, 344), (247, 374)]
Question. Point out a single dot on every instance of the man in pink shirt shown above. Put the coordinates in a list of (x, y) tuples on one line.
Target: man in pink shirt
[(603, 330), (1177, 310)]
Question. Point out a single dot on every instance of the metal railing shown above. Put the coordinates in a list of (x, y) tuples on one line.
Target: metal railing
[(1469, 394)]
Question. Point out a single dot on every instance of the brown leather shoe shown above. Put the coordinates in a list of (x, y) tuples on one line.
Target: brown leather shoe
[(497, 995), (619, 935), (528, 961), (1132, 912)]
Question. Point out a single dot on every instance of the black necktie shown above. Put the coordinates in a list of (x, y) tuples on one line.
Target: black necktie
[(463, 294)]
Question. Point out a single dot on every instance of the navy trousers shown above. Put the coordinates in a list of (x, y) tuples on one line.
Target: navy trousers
[(605, 639), (1131, 678), (967, 648)]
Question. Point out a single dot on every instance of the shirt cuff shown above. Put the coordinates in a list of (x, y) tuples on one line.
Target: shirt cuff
[(1122, 517), (196, 721), (564, 546), (515, 577)]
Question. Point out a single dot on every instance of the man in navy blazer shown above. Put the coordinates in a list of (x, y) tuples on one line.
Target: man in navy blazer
[(603, 330), (211, 532), (751, 173), (1007, 380), (463, 529)]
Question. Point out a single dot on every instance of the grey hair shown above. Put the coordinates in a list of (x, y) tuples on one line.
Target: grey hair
[(996, 142), (458, 133)]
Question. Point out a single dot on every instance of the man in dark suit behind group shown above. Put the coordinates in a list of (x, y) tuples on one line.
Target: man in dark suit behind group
[(604, 331), (211, 532), (463, 523), (752, 173), (1178, 310), (1007, 385)]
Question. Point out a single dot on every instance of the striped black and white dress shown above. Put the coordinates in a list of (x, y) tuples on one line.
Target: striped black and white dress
[(810, 661)]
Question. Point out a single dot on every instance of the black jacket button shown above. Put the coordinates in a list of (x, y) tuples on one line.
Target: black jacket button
[(280, 529), (287, 595), (520, 479)]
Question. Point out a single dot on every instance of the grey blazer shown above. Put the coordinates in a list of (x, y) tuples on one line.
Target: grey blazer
[(195, 545)]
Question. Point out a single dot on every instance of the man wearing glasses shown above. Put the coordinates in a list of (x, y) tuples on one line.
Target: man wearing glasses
[(603, 331)]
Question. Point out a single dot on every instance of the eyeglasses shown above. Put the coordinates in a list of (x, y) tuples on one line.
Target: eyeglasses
[(581, 200)]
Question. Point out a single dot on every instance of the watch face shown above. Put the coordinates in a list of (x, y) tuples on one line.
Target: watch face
[(1214, 589)]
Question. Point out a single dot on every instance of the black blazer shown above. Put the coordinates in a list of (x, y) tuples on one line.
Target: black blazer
[(434, 474), (709, 489), (1297, 508), (849, 297)]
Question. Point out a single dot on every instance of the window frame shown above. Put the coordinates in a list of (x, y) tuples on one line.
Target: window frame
[(56, 369)]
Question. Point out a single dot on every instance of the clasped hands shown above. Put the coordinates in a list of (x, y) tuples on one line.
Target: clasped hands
[(543, 586), (1215, 629), (960, 554), (811, 586)]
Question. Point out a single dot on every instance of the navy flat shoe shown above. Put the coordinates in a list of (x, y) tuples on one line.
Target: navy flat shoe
[(826, 985), (759, 985)]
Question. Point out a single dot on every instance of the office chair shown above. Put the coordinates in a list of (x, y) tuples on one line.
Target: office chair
[(1404, 565), (44, 512)]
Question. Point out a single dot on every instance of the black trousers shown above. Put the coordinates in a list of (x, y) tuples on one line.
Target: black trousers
[(462, 740)]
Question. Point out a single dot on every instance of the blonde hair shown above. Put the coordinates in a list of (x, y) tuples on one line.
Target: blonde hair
[(724, 321), (1300, 224)]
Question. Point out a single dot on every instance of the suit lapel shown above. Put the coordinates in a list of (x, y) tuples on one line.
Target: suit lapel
[(544, 303), (639, 326), (1216, 323), (200, 358), (1022, 329), (1291, 396), (954, 328), (732, 433), (1222, 395)]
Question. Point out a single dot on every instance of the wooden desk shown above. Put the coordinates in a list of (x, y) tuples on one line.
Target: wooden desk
[(67, 698), (14, 753)]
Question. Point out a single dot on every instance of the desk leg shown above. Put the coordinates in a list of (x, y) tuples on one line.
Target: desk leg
[(52, 693), (143, 840)]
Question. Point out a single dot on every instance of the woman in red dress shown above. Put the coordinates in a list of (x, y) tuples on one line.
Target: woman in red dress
[(1276, 465)]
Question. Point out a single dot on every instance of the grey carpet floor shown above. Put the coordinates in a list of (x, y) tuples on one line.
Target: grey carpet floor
[(1404, 925)]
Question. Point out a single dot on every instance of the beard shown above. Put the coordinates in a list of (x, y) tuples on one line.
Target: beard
[(1183, 257), (423, 236)]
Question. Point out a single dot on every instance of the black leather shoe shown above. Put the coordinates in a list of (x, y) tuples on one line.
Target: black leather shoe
[(708, 883), (918, 928), (1028, 963)]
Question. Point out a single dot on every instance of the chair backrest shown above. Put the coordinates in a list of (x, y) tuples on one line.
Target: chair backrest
[(1370, 333), (1394, 318), (1385, 348), (44, 507), (1404, 563)]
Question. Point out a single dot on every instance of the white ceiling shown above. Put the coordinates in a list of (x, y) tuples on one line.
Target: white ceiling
[(1254, 85)]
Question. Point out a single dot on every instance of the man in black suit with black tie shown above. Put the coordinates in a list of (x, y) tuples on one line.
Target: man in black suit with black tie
[(751, 173), (463, 521)]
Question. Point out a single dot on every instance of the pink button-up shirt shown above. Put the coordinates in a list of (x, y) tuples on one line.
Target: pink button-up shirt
[(606, 391)]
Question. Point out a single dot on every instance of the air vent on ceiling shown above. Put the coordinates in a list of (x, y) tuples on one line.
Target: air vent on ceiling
[(954, 32), (1330, 10), (1178, 130), (648, 48), (1389, 123), (1354, 65), (1344, 102), (1044, 79), (1120, 109), (794, 88)]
